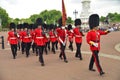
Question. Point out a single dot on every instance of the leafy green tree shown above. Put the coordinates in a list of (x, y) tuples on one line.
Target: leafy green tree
[(34, 17), (102, 18), (69, 20), (4, 17), (50, 17)]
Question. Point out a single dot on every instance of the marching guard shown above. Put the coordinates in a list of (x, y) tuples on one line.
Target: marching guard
[(39, 40), (53, 37), (13, 39), (93, 39), (62, 36), (26, 38), (78, 38), (70, 36)]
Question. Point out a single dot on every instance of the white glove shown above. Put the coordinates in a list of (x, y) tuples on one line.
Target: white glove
[(32, 42), (63, 44), (111, 29), (95, 44), (71, 30)]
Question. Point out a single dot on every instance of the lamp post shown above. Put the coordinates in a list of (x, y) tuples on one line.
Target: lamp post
[(75, 12)]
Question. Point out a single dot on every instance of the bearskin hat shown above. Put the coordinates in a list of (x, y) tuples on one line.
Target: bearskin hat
[(52, 26), (21, 26), (69, 27), (60, 22), (31, 26), (93, 21), (77, 22), (12, 25), (18, 26), (25, 25), (39, 21)]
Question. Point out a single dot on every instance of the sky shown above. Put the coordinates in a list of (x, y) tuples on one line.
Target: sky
[(26, 8)]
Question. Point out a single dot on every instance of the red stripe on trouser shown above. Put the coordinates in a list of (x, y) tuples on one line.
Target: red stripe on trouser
[(96, 62)]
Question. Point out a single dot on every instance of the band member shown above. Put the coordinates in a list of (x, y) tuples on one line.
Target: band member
[(39, 39), (27, 38), (62, 36), (53, 37), (78, 38), (93, 39), (70, 36), (13, 39)]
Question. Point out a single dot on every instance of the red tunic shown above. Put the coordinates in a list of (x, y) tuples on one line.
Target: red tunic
[(62, 35), (53, 37), (39, 37), (58, 30), (70, 35), (20, 34), (12, 38), (26, 37), (94, 36), (78, 35)]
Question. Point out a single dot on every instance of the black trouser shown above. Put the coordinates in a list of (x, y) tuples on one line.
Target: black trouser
[(56, 44), (46, 46), (40, 51), (78, 52), (49, 45), (53, 47), (62, 53), (18, 45), (95, 58), (27, 48), (33, 47), (14, 50), (22, 47), (70, 45)]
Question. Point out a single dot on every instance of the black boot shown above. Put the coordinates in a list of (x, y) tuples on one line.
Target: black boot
[(92, 70), (65, 61), (42, 64), (101, 73)]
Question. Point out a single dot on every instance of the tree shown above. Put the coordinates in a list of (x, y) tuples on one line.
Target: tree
[(4, 17), (69, 20), (102, 19), (34, 17), (50, 17)]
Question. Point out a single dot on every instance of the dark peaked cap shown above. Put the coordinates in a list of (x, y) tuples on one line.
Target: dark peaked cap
[(93, 21), (77, 22)]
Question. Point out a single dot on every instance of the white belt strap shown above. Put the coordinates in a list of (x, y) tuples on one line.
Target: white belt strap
[(39, 37)]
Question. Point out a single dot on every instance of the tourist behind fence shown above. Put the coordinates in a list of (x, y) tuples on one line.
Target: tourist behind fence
[(93, 39), (13, 39)]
